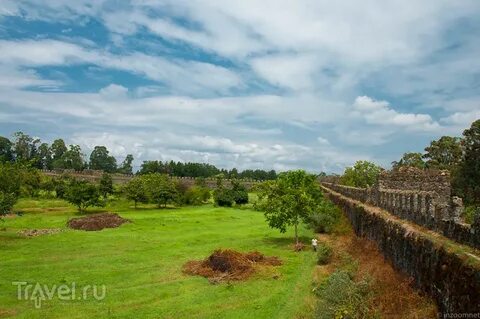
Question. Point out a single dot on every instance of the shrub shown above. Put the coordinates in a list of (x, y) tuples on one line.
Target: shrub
[(223, 197), (470, 213), (7, 200), (324, 254), (197, 195), (10, 185), (239, 193), (106, 185), (341, 297), (324, 219)]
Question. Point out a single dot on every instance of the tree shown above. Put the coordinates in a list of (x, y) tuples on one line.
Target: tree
[(106, 185), (10, 184), (73, 158), (57, 149), (362, 174), (126, 166), (445, 153), (292, 197), (467, 180), (135, 190), (239, 192), (24, 146), (44, 157), (6, 153), (160, 189), (101, 160), (83, 194), (410, 160)]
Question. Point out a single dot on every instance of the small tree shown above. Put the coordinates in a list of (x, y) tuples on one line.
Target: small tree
[(362, 174), (10, 183), (239, 192), (106, 185), (83, 194), (161, 190), (135, 190), (292, 197)]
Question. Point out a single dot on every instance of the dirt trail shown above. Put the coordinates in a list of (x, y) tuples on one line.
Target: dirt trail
[(393, 295)]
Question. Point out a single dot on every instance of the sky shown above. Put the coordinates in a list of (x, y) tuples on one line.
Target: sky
[(270, 84)]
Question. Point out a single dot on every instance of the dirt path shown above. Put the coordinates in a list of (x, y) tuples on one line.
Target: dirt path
[(393, 296)]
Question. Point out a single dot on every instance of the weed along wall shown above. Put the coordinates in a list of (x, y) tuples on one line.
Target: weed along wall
[(446, 270)]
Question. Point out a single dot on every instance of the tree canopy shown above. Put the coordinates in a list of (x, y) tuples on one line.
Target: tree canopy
[(362, 174), (289, 199)]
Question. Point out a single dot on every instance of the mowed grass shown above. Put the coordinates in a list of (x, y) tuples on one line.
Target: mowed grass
[(141, 262)]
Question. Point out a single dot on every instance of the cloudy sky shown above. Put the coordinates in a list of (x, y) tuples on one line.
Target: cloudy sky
[(277, 84)]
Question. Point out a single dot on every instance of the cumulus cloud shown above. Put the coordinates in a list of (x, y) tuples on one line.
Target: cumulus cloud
[(380, 112), (231, 85)]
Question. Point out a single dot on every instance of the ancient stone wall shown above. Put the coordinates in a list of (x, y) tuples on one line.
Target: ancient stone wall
[(449, 272), (414, 179), (420, 207), (95, 175)]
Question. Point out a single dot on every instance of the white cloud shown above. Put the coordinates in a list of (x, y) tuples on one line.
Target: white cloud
[(380, 113), (181, 75)]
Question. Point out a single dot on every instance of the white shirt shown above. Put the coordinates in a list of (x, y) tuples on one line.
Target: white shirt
[(314, 242)]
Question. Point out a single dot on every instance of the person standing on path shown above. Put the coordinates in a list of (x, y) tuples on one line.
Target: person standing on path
[(314, 244)]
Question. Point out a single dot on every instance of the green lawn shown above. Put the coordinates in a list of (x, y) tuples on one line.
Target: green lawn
[(140, 264)]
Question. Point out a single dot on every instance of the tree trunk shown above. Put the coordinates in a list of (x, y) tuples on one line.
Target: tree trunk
[(135, 203), (296, 233)]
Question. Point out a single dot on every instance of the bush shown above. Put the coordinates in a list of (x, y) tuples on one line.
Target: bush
[(239, 193), (240, 197), (196, 195), (224, 197), (324, 254), (7, 200), (470, 213), (341, 297), (325, 218), (10, 185)]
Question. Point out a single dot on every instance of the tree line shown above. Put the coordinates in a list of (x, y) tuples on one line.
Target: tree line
[(31, 151)]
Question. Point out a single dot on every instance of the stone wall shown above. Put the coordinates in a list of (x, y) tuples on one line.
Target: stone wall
[(420, 207), (414, 179), (449, 272), (95, 175)]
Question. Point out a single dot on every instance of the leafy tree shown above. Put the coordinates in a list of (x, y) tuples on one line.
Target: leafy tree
[(101, 160), (44, 157), (362, 174), (467, 181), (126, 166), (239, 193), (83, 194), (24, 146), (292, 197), (58, 148), (10, 184), (73, 158), (31, 181), (446, 153), (6, 153), (106, 185), (161, 190), (410, 160), (135, 191)]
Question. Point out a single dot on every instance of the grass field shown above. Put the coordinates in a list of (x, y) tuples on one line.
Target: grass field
[(140, 264)]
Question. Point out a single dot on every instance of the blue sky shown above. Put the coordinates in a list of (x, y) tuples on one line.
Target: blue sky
[(251, 84)]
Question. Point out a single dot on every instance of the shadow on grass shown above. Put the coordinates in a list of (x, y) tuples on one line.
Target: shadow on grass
[(286, 241)]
